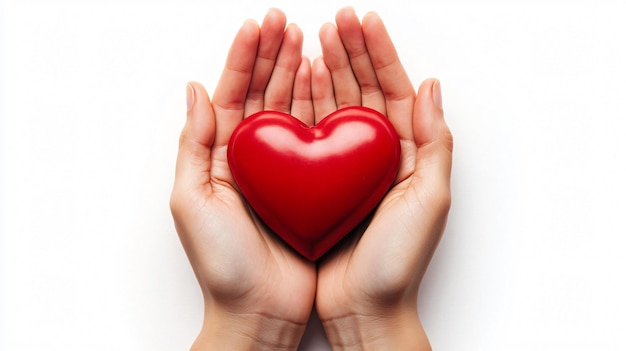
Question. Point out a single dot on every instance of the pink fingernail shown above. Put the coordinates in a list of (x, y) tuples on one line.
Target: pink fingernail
[(191, 97), (437, 94)]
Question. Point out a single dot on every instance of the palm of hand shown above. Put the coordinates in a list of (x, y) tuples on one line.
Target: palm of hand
[(382, 264), (246, 269), (239, 264), (384, 260)]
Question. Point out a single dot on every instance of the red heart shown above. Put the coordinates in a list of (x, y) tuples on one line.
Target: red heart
[(313, 185)]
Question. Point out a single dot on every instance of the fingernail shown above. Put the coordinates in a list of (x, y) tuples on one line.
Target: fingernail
[(250, 21), (437, 94), (191, 97)]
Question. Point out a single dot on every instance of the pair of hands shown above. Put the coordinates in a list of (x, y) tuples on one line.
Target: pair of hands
[(259, 293)]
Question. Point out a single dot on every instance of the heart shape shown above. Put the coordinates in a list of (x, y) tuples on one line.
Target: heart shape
[(313, 185)]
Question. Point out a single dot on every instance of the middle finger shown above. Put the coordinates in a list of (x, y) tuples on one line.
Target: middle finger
[(351, 34), (280, 86), (346, 87)]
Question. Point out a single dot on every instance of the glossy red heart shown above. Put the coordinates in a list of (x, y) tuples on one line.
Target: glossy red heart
[(313, 185)]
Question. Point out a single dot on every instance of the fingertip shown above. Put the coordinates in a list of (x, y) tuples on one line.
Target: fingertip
[(436, 94), (372, 16), (249, 23), (320, 74), (302, 85), (293, 26), (373, 23), (305, 65), (346, 9), (347, 12), (322, 90), (275, 15), (199, 113), (303, 80), (326, 29), (293, 38), (191, 96), (430, 89), (302, 105), (197, 89), (273, 25), (249, 32), (318, 65), (196, 95), (425, 95), (294, 32)]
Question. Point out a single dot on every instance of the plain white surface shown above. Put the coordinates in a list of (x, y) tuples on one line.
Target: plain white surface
[(92, 100)]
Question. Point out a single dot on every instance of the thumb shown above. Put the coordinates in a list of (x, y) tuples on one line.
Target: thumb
[(194, 150), (434, 143), (428, 122)]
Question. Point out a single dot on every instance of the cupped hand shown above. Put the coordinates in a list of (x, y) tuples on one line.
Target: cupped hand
[(367, 286), (256, 290)]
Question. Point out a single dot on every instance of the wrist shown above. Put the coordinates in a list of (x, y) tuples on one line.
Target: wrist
[(400, 331), (223, 330)]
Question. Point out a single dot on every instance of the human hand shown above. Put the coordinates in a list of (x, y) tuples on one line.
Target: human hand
[(367, 287), (258, 293)]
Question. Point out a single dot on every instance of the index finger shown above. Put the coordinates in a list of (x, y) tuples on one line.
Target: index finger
[(232, 88)]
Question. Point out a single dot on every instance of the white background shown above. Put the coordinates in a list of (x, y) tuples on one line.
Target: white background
[(93, 99)]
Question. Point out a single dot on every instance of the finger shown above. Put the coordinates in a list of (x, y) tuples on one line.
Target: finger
[(302, 104), (351, 34), (322, 90), (394, 82), (232, 88), (194, 150), (278, 94), (432, 137), (347, 91), (271, 37)]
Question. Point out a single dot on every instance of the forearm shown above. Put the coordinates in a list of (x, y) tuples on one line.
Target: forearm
[(403, 331), (226, 331)]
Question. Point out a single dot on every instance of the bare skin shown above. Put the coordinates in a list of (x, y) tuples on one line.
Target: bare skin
[(258, 293), (367, 288)]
